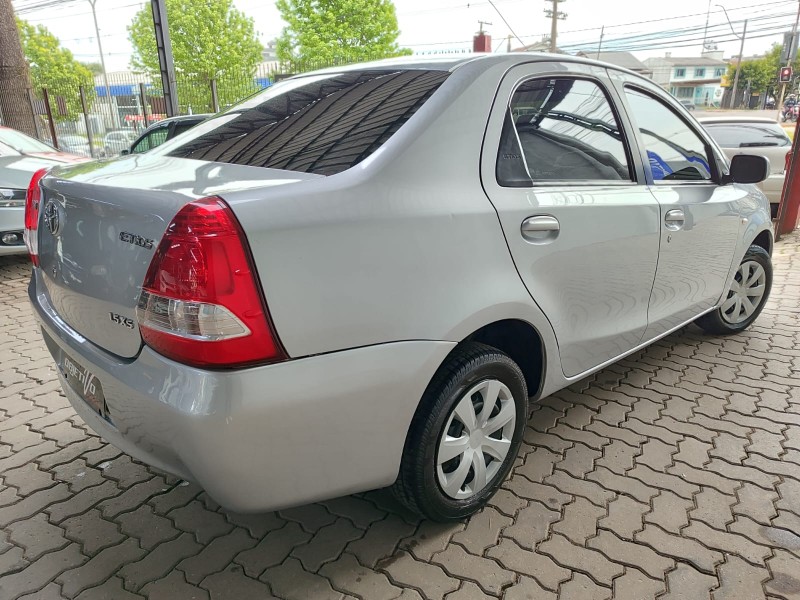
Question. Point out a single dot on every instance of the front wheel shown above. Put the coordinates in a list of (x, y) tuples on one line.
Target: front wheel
[(746, 296), (465, 435)]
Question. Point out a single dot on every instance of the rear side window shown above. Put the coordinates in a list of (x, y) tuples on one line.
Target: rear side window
[(674, 151), (151, 140), (748, 135), (560, 130), (324, 126)]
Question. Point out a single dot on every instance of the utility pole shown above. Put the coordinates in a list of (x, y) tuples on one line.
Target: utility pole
[(554, 14), (600, 43), (789, 60), (15, 107), (114, 115), (732, 103), (705, 31), (739, 66)]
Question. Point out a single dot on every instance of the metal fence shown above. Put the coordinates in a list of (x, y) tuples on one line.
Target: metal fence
[(87, 119)]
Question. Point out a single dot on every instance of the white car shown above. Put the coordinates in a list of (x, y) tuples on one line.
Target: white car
[(363, 276), (755, 135), (20, 157), (115, 142)]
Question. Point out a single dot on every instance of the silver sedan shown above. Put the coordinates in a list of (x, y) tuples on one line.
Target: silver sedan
[(365, 276)]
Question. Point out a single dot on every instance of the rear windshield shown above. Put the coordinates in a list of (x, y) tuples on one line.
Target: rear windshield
[(321, 124), (748, 135)]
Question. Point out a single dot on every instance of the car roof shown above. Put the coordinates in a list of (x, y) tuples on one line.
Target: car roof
[(196, 117), (453, 62), (733, 120), (180, 118)]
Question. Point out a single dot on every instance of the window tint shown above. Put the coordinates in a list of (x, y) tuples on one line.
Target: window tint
[(182, 126), (560, 130), (151, 140), (321, 124), (674, 151), (748, 135)]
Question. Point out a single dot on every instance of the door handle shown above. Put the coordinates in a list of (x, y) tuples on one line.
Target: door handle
[(674, 219), (540, 229)]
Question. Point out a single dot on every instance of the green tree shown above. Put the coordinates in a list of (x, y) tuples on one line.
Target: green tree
[(762, 72), (95, 67), (758, 72), (337, 31), (211, 40), (55, 68)]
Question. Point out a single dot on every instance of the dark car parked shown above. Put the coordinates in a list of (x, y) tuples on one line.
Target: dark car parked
[(160, 132)]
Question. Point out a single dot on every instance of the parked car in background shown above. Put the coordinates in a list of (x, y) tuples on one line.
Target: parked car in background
[(20, 157), (360, 277), (115, 142), (74, 144), (688, 104), (755, 135), (160, 132)]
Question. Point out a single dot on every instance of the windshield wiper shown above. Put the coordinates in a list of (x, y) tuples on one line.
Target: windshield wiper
[(757, 144)]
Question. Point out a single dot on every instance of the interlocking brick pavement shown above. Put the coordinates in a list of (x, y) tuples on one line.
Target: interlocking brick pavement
[(673, 474)]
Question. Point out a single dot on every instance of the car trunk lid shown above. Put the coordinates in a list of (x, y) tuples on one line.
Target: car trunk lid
[(100, 224)]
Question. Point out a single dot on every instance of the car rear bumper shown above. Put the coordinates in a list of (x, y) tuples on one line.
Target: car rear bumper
[(772, 187), (12, 220), (260, 438)]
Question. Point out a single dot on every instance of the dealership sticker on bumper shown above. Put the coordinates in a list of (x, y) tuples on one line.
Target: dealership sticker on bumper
[(84, 383)]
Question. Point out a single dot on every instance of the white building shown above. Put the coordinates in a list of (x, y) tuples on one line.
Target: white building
[(697, 79)]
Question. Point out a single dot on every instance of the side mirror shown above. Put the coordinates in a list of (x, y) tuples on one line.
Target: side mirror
[(124, 151), (747, 168)]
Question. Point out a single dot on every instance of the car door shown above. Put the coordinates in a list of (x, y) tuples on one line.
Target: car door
[(699, 217), (580, 222)]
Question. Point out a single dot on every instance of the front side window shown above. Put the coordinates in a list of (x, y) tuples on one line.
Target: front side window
[(674, 151), (560, 130), (321, 124), (151, 140)]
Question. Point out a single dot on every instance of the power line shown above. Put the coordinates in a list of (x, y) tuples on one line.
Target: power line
[(676, 17), (506, 22), (80, 14), (649, 37), (664, 37)]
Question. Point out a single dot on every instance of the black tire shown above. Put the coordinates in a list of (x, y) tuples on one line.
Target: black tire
[(714, 322), (417, 485)]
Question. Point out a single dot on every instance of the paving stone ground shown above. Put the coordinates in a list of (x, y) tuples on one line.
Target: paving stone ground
[(672, 474)]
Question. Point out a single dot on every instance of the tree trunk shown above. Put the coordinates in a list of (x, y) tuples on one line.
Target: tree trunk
[(15, 108)]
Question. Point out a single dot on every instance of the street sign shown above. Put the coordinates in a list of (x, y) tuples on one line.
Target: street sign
[(785, 75)]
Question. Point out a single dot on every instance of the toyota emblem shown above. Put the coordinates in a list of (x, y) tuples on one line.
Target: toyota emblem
[(52, 218)]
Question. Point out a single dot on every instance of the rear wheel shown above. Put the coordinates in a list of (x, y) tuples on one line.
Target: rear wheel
[(465, 435), (746, 296)]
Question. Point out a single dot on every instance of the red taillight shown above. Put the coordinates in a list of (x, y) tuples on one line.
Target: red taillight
[(201, 303), (32, 201)]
